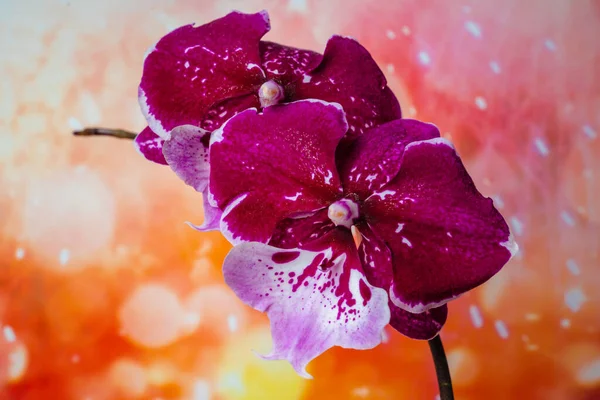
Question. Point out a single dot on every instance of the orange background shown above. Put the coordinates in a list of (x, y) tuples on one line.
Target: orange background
[(106, 294)]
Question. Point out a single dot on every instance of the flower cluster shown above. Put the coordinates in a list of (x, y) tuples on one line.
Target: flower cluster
[(344, 216)]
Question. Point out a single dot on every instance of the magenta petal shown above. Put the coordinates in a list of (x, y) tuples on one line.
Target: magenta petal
[(221, 112), (348, 75), (287, 64), (445, 237), (150, 146), (422, 326), (186, 153), (212, 216), (373, 159), (194, 68), (269, 166), (300, 231), (314, 299), (376, 258)]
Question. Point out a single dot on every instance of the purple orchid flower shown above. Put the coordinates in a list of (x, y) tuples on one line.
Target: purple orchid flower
[(333, 247), (199, 77)]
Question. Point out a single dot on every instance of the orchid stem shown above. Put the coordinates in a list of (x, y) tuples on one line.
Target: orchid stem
[(441, 368), (117, 133)]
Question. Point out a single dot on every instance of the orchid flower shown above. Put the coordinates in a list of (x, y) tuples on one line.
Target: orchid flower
[(196, 78), (335, 246), (344, 217)]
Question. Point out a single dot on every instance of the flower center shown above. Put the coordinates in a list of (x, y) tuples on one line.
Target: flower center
[(343, 212), (270, 93)]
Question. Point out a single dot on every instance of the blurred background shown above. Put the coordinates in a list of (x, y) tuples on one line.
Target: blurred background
[(106, 294)]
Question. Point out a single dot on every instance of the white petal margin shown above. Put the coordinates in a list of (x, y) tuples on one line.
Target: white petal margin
[(153, 123), (311, 309)]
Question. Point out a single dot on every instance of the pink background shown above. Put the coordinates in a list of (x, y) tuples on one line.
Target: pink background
[(106, 294)]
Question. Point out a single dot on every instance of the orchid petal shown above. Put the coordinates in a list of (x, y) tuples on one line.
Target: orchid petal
[(287, 64), (423, 326), (315, 299), (221, 112), (376, 258), (298, 232), (445, 237), (186, 153), (150, 145), (192, 69), (212, 216), (373, 159), (268, 166), (348, 75)]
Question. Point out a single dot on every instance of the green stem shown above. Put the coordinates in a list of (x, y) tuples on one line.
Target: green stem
[(441, 368)]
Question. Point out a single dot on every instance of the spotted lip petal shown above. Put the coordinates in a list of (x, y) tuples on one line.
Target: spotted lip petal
[(445, 237), (150, 145), (186, 152), (315, 299), (267, 166), (348, 75), (373, 159), (192, 69)]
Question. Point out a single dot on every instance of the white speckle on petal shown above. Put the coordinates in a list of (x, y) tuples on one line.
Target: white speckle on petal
[(406, 242), (252, 65), (382, 195), (328, 177), (371, 178), (473, 28), (399, 228), (306, 79), (574, 299), (480, 103), (476, 317), (501, 329), (293, 198)]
